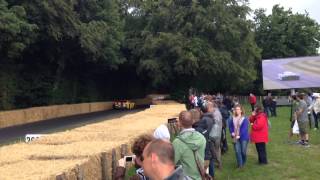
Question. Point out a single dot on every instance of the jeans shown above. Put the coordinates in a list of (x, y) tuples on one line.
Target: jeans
[(262, 153), (252, 107), (316, 119), (273, 111), (266, 110), (211, 168), (240, 147), (224, 143)]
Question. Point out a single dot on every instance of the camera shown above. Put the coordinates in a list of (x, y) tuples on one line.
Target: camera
[(172, 120), (129, 158)]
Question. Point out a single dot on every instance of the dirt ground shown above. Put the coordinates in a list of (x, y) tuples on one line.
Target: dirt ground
[(60, 152)]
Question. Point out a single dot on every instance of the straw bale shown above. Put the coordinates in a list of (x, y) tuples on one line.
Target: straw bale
[(9, 118), (18, 117), (33, 114), (54, 154), (68, 110), (50, 112), (92, 168), (100, 106)]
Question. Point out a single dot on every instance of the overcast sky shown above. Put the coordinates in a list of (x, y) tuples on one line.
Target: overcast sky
[(300, 6)]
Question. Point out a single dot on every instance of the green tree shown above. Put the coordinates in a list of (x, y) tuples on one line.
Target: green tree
[(286, 34), (16, 34), (61, 48), (182, 43)]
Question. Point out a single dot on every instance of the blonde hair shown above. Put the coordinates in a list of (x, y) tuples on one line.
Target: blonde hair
[(241, 108)]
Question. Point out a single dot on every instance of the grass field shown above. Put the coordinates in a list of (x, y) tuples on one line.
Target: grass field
[(286, 161)]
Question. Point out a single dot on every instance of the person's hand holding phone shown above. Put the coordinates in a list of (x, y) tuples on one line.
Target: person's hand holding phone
[(122, 162)]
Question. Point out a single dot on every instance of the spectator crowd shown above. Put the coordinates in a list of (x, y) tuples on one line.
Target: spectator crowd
[(195, 151)]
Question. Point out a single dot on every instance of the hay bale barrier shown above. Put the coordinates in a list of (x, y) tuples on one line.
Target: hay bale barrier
[(35, 114), (77, 154)]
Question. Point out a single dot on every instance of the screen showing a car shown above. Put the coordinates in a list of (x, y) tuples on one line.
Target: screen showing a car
[(291, 73)]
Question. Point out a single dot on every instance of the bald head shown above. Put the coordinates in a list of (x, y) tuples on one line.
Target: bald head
[(185, 119)]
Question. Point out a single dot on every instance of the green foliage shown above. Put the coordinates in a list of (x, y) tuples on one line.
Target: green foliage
[(193, 40), (285, 34), (16, 33), (70, 51), (58, 47)]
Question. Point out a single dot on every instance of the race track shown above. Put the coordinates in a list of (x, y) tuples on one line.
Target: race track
[(17, 133)]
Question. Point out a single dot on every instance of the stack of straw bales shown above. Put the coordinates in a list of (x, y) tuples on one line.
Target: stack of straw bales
[(54, 154)]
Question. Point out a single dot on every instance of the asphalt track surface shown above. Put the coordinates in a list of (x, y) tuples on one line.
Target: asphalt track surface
[(16, 134)]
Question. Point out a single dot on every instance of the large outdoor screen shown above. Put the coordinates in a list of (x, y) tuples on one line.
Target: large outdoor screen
[(291, 73)]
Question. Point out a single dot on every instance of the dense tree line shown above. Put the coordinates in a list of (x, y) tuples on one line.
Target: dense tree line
[(70, 51)]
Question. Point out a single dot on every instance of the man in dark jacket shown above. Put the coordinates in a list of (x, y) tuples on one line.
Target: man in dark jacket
[(158, 162), (204, 127), (225, 116), (227, 102)]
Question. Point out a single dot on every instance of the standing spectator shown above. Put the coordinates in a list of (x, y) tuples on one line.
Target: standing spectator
[(191, 101), (187, 142), (225, 116), (316, 108), (266, 104), (252, 101), (195, 101), (259, 133), (273, 107), (162, 132), (196, 115), (158, 162), (227, 102), (219, 97), (293, 118), (235, 101), (217, 142), (137, 148), (302, 118), (204, 127), (238, 127), (309, 102)]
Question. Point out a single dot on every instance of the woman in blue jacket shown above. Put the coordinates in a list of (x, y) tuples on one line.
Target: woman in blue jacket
[(238, 127)]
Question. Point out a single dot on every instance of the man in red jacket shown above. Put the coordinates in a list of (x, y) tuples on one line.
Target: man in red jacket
[(252, 101), (259, 133)]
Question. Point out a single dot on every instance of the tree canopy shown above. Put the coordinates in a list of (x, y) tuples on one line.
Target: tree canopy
[(70, 51), (285, 34)]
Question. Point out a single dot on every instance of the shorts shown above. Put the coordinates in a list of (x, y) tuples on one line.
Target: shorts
[(303, 127)]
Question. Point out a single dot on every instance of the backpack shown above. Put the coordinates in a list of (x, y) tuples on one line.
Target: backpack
[(214, 132)]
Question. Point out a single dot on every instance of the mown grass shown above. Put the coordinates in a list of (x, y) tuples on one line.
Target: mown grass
[(286, 161)]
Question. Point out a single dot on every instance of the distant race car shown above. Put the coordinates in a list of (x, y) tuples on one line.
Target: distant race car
[(288, 76)]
